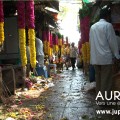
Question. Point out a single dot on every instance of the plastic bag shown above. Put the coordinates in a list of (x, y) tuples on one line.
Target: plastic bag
[(89, 86)]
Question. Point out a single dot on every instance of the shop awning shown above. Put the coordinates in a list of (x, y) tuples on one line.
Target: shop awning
[(47, 3), (86, 1), (43, 18)]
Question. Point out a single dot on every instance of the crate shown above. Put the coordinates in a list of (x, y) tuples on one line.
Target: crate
[(51, 68), (41, 72), (8, 80), (0, 82), (19, 76), (59, 66)]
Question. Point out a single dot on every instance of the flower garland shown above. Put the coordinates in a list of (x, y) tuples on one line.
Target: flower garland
[(1, 23), (31, 37), (62, 46), (88, 52), (31, 31), (44, 38), (85, 26), (55, 43), (48, 41), (22, 35), (84, 53), (85, 10), (59, 39), (51, 45)]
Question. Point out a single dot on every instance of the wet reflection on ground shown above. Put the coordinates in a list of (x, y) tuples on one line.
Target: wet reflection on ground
[(66, 100)]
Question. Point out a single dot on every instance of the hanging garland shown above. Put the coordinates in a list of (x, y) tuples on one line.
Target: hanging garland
[(55, 43), (46, 36), (31, 31), (59, 39), (88, 51), (48, 41), (22, 35), (85, 10), (62, 44), (84, 15), (1, 23), (51, 45)]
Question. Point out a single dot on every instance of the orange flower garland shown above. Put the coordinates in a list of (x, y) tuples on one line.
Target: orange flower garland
[(31, 31), (1, 23), (22, 35)]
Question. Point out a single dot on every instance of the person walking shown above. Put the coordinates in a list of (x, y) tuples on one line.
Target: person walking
[(67, 56), (73, 55), (103, 50)]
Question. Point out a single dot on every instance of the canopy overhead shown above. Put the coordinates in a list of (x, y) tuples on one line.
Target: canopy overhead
[(45, 16), (47, 3)]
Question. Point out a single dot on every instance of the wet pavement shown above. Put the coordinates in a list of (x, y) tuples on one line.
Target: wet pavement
[(67, 101)]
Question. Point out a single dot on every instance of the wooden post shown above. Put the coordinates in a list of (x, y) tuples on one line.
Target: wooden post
[(0, 83), (24, 75)]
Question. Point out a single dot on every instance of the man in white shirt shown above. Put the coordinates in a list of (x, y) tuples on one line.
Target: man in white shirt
[(39, 52), (103, 48)]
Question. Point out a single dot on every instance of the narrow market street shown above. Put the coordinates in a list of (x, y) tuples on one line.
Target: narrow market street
[(65, 99), (55, 55)]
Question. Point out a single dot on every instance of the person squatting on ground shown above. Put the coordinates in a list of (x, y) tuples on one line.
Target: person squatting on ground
[(103, 47), (73, 54)]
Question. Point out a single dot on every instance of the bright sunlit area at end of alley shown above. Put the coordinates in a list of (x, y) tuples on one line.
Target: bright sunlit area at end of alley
[(69, 19)]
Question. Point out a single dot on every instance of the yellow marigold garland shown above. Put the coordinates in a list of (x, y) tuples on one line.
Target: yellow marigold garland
[(84, 52), (22, 33), (62, 50), (31, 35), (55, 47), (80, 58), (22, 44), (88, 52), (1, 33), (60, 41), (1, 23), (50, 51), (45, 46), (31, 32)]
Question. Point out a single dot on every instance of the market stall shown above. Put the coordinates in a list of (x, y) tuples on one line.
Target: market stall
[(84, 50), (88, 21), (13, 58), (22, 17)]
